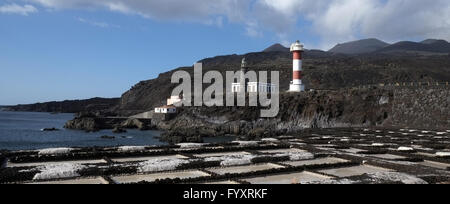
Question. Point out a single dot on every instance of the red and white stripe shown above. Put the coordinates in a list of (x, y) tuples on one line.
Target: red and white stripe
[(297, 67)]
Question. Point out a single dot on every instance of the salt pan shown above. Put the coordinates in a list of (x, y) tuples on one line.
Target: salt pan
[(397, 177), (405, 149), (443, 154), (246, 143), (58, 171), (131, 148), (233, 160), (54, 151), (190, 145), (157, 165)]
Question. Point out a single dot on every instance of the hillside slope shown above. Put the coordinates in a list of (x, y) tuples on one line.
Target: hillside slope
[(359, 47)]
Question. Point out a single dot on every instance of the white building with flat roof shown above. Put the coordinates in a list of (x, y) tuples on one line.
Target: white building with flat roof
[(254, 87), (166, 109), (250, 87)]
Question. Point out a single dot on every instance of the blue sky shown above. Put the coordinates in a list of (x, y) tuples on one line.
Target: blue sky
[(55, 56), (76, 49), (73, 54)]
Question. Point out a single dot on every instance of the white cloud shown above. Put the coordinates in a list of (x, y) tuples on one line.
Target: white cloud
[(332, 21), (193, 10), (97, 23), (17, 9), (392, 20)]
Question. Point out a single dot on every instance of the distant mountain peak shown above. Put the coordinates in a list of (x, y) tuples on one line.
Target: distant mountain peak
[(429, 46), (276, 48), (359, 46), (432, 41)]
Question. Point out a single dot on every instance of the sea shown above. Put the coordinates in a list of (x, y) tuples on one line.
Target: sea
[(23, 131)]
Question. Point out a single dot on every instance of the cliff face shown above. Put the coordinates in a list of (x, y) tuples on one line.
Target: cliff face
[(318, 109), (415, 108)]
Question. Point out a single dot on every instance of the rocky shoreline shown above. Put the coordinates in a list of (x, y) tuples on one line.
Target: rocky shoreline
[(91, 122)]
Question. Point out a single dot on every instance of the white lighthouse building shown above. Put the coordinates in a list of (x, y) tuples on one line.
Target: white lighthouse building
[(296, 84)]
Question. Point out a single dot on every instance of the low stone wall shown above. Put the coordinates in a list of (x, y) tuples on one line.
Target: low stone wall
[(421, 108)]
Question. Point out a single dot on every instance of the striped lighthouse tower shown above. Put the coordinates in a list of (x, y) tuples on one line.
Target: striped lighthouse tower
[(296, 84)]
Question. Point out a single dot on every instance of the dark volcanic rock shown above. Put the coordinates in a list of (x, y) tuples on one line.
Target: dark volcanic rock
[(418, 108), (92, 124), (87, 124), (108, 137), (258, 133), (297, 112), (3, 162), (140, 124), (50, 129)]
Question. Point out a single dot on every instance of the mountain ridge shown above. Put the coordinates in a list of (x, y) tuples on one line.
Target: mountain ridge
[(277, 47), (427, 46), (359, 46), (431, 41), (375, 46), (68, 106)]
